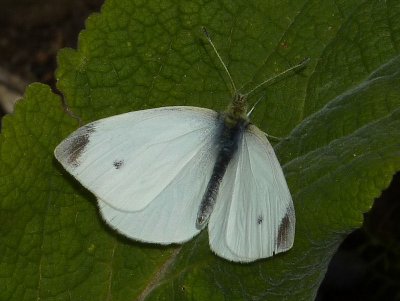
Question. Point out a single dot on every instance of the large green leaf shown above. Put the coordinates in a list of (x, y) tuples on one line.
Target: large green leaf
[(341, 120)]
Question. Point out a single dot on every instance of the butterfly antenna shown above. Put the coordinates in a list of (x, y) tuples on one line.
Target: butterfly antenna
[(295, 68), (220, 59)]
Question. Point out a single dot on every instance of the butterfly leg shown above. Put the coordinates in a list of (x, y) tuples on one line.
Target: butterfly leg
[(274, 138)]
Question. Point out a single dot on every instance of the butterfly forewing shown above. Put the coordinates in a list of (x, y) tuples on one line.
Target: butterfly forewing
[(147, 167), (253, 216)]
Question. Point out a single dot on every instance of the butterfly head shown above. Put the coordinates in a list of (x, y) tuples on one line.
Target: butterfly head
[(237, 110)]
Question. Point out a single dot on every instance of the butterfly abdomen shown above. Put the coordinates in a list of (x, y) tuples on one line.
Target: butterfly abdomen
[(227, 142)]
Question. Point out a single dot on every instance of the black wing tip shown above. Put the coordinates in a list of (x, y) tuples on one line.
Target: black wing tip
[(71, 149), (284, 240)]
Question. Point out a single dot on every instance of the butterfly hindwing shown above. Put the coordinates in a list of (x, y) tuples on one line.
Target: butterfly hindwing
[(170, 217)]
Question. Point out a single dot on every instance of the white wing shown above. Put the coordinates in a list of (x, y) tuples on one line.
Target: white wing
[(171, 216), (254, 216), (149, 169)]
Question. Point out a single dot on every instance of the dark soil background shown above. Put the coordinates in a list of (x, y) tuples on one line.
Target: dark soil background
[(367, 264)]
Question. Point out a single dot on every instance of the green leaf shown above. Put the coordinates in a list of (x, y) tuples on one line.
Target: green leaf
[(340, 117)]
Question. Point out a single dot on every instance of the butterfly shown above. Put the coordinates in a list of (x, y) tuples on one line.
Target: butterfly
[(162, 175)]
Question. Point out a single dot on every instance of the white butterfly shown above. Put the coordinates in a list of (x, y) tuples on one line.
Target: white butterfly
[(161, 175)]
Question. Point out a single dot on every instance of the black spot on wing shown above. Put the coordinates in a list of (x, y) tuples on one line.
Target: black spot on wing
[(283, 232), (76, 146), (118, 164), (260, 219)]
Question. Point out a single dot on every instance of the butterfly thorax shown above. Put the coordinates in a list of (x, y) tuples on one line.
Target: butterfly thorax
[(231, 131), (236, 111)]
